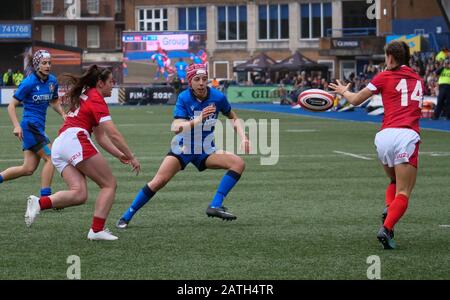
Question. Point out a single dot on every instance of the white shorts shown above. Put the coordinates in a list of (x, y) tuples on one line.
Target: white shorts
[(72, 147), (397, 145)]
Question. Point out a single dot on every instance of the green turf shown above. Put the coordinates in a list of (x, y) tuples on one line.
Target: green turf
[(314, 215)]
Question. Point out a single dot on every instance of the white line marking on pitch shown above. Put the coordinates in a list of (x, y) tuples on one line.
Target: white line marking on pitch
[(301, 130), (444, 226), (435, 153), (11, 160), (353, 155)]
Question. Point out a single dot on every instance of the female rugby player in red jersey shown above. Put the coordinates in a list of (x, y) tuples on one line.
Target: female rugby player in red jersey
[(397, 143)]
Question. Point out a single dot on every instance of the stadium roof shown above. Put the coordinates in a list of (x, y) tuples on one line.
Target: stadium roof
[(258, 63), (298, 62)]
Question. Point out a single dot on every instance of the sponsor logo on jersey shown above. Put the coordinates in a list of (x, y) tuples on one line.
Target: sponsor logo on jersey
[(44, 97)]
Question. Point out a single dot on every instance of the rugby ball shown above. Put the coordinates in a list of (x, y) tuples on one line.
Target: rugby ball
[(316, 100)]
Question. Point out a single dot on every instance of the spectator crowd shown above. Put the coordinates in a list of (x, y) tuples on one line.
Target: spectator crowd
[(10, 78)]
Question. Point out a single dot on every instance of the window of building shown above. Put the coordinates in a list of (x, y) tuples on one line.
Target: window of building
[(355, 21), (153, 19), (192, 18), (232, 23), (47, 6), (93, 36), (273, 22), (221, 69), (48, 33), (92, 6), (70, 35), (315, 20), (118, 6)]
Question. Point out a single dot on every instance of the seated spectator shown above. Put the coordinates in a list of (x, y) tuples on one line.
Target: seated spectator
[(286, 80), (323, 84), (284, 95)]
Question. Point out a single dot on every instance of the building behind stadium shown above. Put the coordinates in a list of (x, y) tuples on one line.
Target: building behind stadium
[(345, 35), (342, 34)]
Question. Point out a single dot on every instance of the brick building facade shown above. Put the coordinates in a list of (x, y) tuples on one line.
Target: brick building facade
[(321, 29), (93, 25)]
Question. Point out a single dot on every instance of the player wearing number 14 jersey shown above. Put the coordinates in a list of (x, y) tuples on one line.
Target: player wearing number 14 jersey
[(401, 89)]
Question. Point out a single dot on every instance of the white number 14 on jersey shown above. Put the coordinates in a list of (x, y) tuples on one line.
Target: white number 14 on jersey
[(417, 94)]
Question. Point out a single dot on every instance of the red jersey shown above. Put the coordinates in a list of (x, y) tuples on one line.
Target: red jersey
[(92, 111), (402, 95)]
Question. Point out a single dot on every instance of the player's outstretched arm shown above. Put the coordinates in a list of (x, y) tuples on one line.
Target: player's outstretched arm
[(180, 125), (13, 117), (104, 142), (354, 98), (237, 125), (119, 142), (56, 105)]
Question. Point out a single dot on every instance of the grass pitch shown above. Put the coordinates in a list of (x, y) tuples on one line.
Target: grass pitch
[(314, 215)]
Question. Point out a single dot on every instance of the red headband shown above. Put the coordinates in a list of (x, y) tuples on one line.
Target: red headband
[(194, 70)]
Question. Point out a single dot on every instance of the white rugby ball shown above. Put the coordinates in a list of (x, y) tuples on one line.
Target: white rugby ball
[(316, 100)]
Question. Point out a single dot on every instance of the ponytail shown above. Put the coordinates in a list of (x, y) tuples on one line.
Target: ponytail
[(407, 54), (75, 85), (28, 59)]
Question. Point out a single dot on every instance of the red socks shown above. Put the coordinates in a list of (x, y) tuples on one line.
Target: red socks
[(390, 194), (98, 224), (45, 202), (396, 210)]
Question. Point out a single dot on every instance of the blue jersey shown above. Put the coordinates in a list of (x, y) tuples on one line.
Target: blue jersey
[(35, 94), (200, 139), (196, 59), (181, 68), (159, 58)]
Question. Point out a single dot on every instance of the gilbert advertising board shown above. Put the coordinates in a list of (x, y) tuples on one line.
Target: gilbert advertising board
[(237, 94)]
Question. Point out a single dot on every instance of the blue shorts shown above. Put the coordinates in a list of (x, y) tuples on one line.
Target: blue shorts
[(34, 137), (198, 160)]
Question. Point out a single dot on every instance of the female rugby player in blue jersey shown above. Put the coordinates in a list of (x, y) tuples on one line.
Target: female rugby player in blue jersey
[(196, 107), (36, 93)]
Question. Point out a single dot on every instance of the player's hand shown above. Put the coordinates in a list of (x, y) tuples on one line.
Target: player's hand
[(339, 87), (136, 165), (208, 111), (18, 132), (245, 146), (124, 159)]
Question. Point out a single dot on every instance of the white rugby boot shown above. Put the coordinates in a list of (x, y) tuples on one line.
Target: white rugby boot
[(104, 235), (33, 209)]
